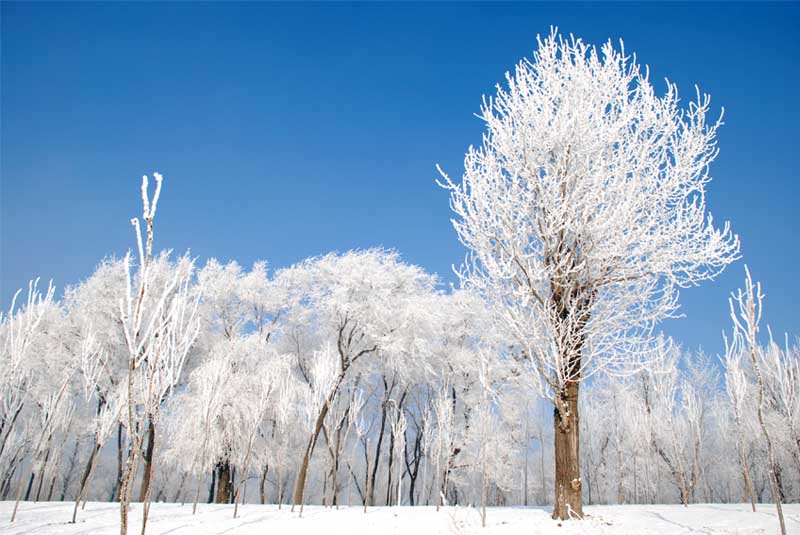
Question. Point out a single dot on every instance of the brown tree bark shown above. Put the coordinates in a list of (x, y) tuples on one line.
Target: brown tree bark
[(87, 473), (147, 459), (300, 484), (387, 392), (567, 503), (224, 485), (261, 482)]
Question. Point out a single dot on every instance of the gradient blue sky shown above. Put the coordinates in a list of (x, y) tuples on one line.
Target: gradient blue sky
[(285, 131)]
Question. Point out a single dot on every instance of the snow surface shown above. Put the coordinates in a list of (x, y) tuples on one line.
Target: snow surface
[(176, 519)]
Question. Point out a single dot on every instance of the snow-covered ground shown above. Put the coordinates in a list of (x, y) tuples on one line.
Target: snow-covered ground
[(176, 519)]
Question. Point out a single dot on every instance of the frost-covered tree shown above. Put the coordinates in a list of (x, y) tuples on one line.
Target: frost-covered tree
[(738, 389), (351, 306), (95, 302), (746, 308), (584, 210), (160, 324), (19, 331), (673, 407), (236, 304)]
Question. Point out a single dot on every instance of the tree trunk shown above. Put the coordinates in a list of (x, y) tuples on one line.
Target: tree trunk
[(748, 485), (213, 483), (118, 483), (334, 483), (262, 480), (30, 486), (233, 484), (389, 469), (87, 473), (42, 476), (147, 459), (377, 460), (223, 482), (52, 486), (68, 476), (300, 485), (567, 502)]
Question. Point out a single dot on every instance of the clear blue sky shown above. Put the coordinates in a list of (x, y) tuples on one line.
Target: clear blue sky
[(285, 131)]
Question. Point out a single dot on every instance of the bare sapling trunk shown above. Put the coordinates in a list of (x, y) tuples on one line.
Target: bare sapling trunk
[(773, 470), (567, 501), (745, 331), (131, 464), (87, 475)]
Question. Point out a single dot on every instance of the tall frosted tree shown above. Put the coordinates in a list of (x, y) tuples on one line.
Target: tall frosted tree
[(584, 211)]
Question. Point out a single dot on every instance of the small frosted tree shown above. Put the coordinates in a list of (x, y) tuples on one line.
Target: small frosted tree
[(746, 307), (737, 388), (160, 324), (584, 211)]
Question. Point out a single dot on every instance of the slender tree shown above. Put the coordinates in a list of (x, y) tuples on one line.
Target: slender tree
[(746, 307)]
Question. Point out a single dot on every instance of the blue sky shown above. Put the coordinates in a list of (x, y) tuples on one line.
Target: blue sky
[(290, 130)]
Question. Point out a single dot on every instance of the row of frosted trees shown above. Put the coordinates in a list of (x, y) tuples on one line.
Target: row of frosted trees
[(353, 379), (691, 432)]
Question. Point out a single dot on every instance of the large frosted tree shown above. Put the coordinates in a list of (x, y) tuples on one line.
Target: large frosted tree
[(584, 211)]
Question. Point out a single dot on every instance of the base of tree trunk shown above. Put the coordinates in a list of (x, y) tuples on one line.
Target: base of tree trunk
[(224, 485), (568, 501)]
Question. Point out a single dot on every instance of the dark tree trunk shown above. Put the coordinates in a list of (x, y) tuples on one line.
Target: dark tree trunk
[(233, 484), (261, 483), (413, 467), (224, 483), (147, 460), (52, 486), (41, 478), (118, 484), (68, 476), (377, 461), (211, 488), (389, 469), (88, 469), (30, 486), (779, 481), (567, 502)]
